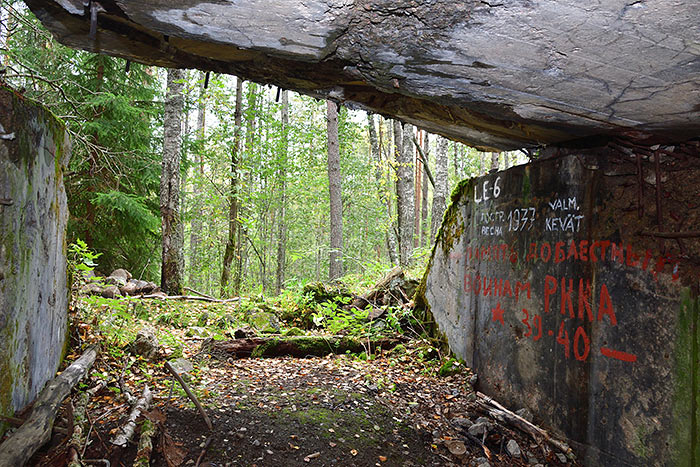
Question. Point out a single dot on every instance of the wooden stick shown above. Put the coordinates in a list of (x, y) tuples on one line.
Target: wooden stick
[(199, 293), (424, 159), (36, 431), (189, 297), (204, 450), (192, 397), (79, 422), (499, 412), (15, 422), (127, 431)]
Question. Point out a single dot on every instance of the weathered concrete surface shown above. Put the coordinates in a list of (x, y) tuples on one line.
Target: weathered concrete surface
[(545, 280), (507, 74), (33, 213)]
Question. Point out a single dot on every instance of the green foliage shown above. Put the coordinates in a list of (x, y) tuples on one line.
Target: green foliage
[(81, 261)]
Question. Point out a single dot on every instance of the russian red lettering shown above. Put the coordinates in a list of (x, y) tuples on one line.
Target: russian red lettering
[(519, 287), (591, 252), (498, 288), (507, 290), (504, 248), (618, 252), (603, 249), (584, 300), (605, 306), (583, 254), (545, 256), (632, 258), (559, 254), (550, 287), (532, 252), (566, 297), (487, 286), (581, 334)]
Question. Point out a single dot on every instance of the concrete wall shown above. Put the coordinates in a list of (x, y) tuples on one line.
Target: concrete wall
[(545, 281), (33, 214)]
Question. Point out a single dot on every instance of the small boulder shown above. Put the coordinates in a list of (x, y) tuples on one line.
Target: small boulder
[(181, 366), (91, 288), (243, 332), (478, 429), (119, 277), (111, 291), (462, 422), (512, 448), (264, 320), (146, 344)]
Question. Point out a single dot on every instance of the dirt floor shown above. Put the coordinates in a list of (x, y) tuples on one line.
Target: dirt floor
[(337, 410)]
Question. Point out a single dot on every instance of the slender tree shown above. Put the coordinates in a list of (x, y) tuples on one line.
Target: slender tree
[(196, 224), (233, 227), (404, 192), (494, 161), (440, 193), (171, 224), (282, 176), (424, 193), (335, 269)]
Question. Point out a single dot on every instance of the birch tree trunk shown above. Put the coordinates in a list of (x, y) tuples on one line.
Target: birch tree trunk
[(282, 174), (404, 192), (424, 195), (494, 161), (233, 191), (440, 193), (335, 269), (171, 224), (196, 224)]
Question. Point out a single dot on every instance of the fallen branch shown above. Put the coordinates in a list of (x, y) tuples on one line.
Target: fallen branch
[(204, 450), (199, 293), (27, 439), (79, 421), (499, 412), (189, 297), (424, 159), (143, 454), (303, 346), (127, 431), (15, 422), (192, 397)]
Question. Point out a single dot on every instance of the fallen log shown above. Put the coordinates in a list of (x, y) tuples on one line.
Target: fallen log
[(127, 431), (145, 448), (188, 297), (21, 445), (504, 415), (79, 422), (302, 346)]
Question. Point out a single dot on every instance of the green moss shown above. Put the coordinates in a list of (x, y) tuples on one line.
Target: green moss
[(450, 367), (684, 446), (293, 332)]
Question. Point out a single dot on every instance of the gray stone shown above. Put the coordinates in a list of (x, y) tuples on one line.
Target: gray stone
[(119, 277), (33, 217), (145, 344), (263, 320), (506, 75), (181, 366), (512, 448), (111, 291), (462, 422), (478, 429), (91, 288), (562, 458)]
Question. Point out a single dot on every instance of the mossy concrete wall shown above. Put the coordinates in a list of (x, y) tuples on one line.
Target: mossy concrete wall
[(546, 281), (34, 151)]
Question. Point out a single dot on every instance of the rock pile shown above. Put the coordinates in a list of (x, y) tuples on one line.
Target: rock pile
[(119, 283)]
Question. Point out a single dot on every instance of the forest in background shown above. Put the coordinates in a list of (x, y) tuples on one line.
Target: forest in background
[(255, 182)]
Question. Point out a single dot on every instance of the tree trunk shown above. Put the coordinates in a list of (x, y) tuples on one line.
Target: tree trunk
[(494, 161), (417, 191), (440, 193), (335, 269), (424, 195), (233, 191), (282, 174), (392, 233), (382, 189), (301, 347), (404, 194), (173, 235), (196, 224)]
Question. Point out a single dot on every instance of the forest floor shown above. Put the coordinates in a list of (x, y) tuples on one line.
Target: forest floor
[(388, 408)]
